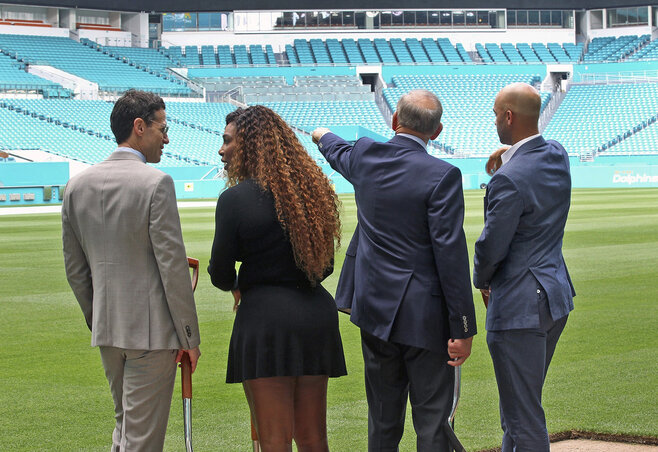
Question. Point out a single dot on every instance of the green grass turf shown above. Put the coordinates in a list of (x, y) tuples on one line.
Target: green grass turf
[(54, 396)]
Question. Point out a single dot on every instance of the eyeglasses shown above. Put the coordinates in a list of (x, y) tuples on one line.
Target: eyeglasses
[(164, 129)]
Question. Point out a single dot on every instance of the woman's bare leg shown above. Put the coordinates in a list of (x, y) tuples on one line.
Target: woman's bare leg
[(271, 401), (310, 428)]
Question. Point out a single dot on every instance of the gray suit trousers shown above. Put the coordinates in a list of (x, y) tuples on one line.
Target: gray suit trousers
[(142, 383), (520, 359)]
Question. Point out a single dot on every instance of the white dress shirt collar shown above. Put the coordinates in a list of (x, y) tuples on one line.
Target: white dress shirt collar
[(132, 151), (415, 138), (510, 152)]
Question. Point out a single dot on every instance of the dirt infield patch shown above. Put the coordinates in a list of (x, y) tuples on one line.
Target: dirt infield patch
[(588, 445), (579, 441)]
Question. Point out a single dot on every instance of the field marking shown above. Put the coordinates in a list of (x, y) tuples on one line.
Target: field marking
[(58, 209)]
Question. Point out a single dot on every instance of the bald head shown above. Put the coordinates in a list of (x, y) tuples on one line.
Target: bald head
[(419, 111), (517, 109), (522, 99)]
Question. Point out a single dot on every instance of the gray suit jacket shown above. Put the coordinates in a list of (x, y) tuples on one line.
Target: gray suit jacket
[(520, 250), (124, 256)]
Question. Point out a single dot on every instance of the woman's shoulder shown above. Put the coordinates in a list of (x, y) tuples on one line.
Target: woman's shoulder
[(246, 190)]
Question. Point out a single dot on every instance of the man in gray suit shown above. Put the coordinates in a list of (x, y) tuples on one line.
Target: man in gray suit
[(126, 263), (519, 265)]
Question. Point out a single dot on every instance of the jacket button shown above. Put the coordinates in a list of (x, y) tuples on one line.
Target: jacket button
[(538, 291), (189, 331)]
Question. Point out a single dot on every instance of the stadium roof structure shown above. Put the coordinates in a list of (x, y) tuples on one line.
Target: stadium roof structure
[(170, 6)]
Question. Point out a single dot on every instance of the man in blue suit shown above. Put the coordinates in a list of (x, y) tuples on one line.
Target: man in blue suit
[(406, 275), (519, 265)]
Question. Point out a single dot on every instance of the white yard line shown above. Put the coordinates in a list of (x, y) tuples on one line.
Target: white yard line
[(23, 210)]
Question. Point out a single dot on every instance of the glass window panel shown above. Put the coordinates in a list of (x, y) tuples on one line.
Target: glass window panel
[(397, 18), (493, 19), (471, 18), (643, 14), (556, 17), (522, 18), (409, 18), (511, 18), (545, 17), (612, 17), (421, 18), (298, 19), (631, 15), (348, 18), (336, 19), (204, 21), (310, 18), (277, 18), (289, 18), (324, 18), (446, 18), (168, 22), (483, 17), (434, 18), (533, 17), (386, 18), (360, 19), (216, 21), (567, 19), (458, 17)]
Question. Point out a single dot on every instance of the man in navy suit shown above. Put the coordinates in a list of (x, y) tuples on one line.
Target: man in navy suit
[(519, 265), (406, 275)]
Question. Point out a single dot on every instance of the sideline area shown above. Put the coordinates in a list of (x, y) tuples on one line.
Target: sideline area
[(57, 209)]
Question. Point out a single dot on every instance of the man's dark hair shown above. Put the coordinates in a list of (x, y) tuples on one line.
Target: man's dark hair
[(132, 105), (235, 114)]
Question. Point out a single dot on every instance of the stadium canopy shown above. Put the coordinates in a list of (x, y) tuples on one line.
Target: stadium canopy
[(171, 6)]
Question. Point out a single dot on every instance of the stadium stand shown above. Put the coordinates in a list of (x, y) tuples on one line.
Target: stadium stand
[(149, 59), (496, 54), (433, 51), (574, 51), (527, 53), (610, 48), (70, 56), (620, 111), (511, 53), (13, 77), (463, 54), (208, 56), (241, 55), (417, 52), (80, 130), (307, 116), (467, 100), (336, 51)]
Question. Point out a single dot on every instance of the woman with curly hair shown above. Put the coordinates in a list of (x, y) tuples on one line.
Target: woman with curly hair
[(279, 218)]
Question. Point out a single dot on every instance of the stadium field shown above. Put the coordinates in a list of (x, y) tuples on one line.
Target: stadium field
[(604, 376)]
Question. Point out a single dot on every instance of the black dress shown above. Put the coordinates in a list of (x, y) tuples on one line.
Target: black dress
[(284, 326)]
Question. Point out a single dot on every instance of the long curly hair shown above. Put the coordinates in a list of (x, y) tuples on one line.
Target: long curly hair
[(268, 151)]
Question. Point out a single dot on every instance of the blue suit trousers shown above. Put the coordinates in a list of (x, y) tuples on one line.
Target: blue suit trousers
[(520, 359)]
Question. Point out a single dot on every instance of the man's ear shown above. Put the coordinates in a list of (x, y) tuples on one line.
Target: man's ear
[(139, 126), (394, 122), (438, 131), (509, 116)]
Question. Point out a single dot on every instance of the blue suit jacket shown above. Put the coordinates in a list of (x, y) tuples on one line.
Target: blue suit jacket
[(406, 274), (520, 249)]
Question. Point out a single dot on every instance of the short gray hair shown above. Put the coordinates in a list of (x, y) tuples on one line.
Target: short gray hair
[(413, 115)]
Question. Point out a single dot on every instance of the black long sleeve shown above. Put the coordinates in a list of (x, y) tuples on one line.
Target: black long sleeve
[(247, 230)]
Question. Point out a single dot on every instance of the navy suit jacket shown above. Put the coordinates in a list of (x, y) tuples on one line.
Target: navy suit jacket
[(406, 274), (520, 249)]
